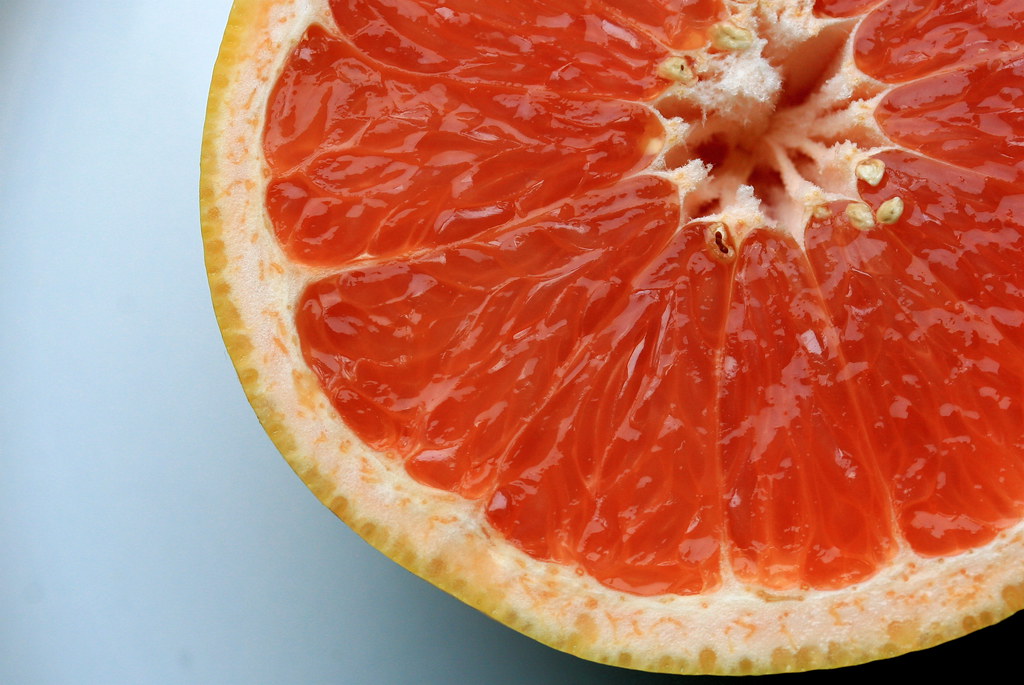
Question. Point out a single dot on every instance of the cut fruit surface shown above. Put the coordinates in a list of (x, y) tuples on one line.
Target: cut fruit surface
[(679, 334)]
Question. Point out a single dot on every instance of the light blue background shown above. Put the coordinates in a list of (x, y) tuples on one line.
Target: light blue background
[(149, 532)]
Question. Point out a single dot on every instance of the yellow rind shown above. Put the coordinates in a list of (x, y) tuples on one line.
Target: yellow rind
[(441, 538)]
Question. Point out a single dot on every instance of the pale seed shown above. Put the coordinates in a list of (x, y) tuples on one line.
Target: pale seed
[(871, 171), (726, 36), (860, 216), (890, 211), (677, 69)]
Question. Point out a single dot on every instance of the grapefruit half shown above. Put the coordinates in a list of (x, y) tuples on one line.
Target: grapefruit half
[(682, 335)]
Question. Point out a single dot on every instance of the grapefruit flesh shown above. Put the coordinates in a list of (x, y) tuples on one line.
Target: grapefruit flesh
[(560, 367), (690, 298)]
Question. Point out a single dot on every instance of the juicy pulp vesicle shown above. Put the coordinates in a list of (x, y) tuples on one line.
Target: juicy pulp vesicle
[(527, 317)]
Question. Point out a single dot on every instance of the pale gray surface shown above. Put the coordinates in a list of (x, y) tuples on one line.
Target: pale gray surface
[(149, 532)]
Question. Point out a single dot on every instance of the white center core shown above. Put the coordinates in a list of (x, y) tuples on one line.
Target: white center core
[(769, 120)]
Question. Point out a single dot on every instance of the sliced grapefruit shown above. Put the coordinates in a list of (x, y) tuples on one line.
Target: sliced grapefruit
[(682, 335)]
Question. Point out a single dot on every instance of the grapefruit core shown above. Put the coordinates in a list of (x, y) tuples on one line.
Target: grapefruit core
[(677, 334)]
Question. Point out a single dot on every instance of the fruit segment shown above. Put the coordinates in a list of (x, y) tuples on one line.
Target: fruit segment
[(972, 117), (443, 359), (368, 160), (805, 503), (906, 39), (566, 46)]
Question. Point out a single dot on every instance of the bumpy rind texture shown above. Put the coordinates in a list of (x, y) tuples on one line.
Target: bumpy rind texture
[(914, 604)]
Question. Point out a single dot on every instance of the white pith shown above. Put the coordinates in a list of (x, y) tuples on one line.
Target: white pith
[(912, 602)]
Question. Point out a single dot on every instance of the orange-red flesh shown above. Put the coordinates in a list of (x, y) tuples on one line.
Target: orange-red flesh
[(523, 317)]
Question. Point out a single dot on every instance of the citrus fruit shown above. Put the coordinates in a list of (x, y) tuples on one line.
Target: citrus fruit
[(682, 335)]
